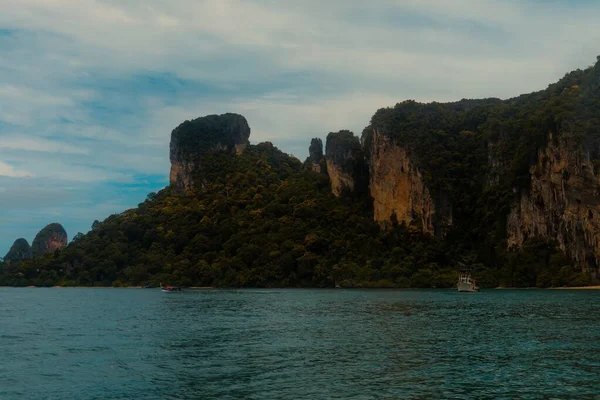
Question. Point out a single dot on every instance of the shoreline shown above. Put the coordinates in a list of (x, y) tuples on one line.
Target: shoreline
[(100, 287), (591, 287)]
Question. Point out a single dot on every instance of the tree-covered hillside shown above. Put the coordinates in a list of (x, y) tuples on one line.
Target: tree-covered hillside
[(262, 221), (261, 218), (477, 154)]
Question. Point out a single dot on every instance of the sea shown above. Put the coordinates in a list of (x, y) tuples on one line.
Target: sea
[(76, 343)]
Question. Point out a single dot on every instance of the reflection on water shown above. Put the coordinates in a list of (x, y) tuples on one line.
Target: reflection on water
[(298, 344)]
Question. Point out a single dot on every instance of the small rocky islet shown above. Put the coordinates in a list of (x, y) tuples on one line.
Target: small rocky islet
[(51, 238), (509, 186)]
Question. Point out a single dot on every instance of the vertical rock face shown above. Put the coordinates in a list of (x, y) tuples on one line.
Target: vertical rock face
[(562, 204), (346, 165), (52, 237), (192, 139), (396, 184), (315, 161), (20, 250), (315, 151)]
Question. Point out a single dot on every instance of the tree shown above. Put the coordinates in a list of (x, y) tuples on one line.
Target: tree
[(151, 196)]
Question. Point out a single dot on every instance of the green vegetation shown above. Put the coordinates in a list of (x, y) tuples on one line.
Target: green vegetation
[(225, 130), (345, 151), (342, 147), (20, 250), (476, 154), (262, 221)]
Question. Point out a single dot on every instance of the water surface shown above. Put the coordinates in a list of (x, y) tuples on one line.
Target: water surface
[(298, 344)]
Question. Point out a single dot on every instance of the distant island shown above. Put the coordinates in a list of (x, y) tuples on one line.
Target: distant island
[(50, 239), (509, 188)]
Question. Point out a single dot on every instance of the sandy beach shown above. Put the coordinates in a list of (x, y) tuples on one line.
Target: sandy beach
[(595, 287)]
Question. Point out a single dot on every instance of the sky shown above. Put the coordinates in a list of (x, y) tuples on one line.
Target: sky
[(90, 90)]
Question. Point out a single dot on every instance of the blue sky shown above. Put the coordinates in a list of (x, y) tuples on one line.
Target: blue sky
[(91, 89)]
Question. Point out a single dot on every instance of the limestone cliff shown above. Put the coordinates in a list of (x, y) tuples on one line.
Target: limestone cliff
[(20, 250), (346, 165), (486, 173), (316, 161), (52, 237), (315, 151), (396, 184), (192, 139), (563, 202)]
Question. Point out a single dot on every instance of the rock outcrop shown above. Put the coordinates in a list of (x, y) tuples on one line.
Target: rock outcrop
[(346, 164), (53, 237), (20, 250), (562, 204), (315, 150), (193, 139), (396, 184), (316, 161)]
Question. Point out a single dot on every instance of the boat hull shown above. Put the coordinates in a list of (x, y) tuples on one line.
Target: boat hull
[(467, 287)]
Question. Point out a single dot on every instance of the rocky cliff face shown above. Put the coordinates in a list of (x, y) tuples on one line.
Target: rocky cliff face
[(315, 151), (52, 237), (563, 203), (396, 184), (192, 139), (346, 164), (20, 250), (316, 161)]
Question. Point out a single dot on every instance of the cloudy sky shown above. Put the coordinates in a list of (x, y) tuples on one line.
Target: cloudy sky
[(91, 89)]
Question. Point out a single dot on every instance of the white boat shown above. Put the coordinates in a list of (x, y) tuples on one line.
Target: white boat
[(466, 283)]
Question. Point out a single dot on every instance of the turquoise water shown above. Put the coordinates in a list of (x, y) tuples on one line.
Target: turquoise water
[(298, 344)]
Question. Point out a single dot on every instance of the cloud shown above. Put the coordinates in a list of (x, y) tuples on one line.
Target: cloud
[(10, 171), (39, 145), (57, 167), (24, 106), (205, 40)]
